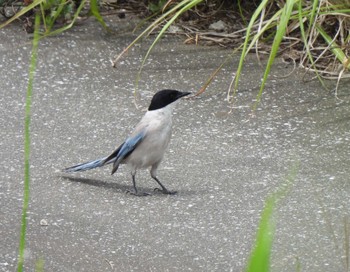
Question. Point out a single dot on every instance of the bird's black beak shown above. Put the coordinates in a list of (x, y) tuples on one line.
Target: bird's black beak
[(182, 94)]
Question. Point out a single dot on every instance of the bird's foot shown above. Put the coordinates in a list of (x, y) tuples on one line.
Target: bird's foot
[(136, 193), (165, 191)]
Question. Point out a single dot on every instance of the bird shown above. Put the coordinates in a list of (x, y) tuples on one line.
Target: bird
[(146, 145)]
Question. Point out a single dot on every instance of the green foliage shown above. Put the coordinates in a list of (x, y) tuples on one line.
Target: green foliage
[(246, 45), (95, 12), (27, 143), (23, 11), (304, 34), (48, 32), (157, 6), (167, 19), (279, 20), (175, 13), (53, 11), (271, 23), (281, 30), (311, 19), (260, 256)]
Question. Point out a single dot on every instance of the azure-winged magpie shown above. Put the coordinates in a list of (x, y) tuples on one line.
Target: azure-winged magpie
[(146, 145)]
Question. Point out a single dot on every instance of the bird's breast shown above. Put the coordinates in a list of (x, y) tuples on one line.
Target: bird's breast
[(151, 150)]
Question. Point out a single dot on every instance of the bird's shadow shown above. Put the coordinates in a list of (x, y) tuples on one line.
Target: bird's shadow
[(99, 183), (120, 188)]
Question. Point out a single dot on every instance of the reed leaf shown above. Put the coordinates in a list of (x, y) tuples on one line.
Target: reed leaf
[(27, 120)]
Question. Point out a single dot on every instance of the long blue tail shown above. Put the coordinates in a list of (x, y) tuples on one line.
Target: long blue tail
[(88, 165)]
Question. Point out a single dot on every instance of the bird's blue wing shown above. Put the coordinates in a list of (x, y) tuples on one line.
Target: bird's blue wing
[(129, 145), (124, 150)]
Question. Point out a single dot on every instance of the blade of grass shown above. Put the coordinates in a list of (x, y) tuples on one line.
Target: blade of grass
[(281, 30), (303, 35), (95, 12), (260, 256), (49, 25), (144, 21), (152, 26), (64, 28), (313, 12), (164, 28), (217, 70), (246, 48), (166, 5), (240, 10), (42, 10), (337, 51), (27, 143), (245, 44), (334, 47), (210, 79)]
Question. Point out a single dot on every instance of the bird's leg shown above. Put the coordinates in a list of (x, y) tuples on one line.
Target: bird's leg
[(135, 192), (163, 190), (154, 176)]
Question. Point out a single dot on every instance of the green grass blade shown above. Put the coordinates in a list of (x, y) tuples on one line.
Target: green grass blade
[(166, 26), (240, 10), (153, 26), (246, 41), (27, 143), (52, 20), (186, 7), (148, 30), (304, 36), (272, 22), (260, 256), (95, 12), (62, 29), (42, 10), (281, 30), (313, 12), (336, 50)]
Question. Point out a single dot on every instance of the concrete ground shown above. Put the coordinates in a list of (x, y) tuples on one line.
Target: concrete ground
[(223, 164)]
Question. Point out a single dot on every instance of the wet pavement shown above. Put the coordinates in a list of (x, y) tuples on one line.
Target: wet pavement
[(223, 164)]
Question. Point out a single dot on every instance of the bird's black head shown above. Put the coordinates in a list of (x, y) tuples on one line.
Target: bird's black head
[(164, 98)]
